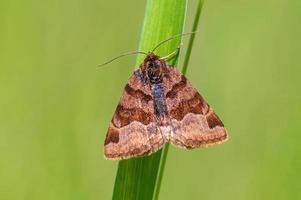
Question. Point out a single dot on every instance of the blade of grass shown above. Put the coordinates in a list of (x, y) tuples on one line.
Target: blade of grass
[(191, 40), (184, 70), (136, 178)]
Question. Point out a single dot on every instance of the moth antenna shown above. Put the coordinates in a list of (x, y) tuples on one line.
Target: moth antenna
[(122, 55), (171, 38)]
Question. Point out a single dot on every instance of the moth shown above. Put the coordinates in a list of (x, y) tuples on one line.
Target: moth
[(160, 105)]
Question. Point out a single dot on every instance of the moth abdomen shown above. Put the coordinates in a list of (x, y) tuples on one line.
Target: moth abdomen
[(160, 107)]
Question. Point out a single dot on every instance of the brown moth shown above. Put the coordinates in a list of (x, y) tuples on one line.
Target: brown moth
[(159, 105)]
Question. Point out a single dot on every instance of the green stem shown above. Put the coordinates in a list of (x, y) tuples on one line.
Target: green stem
[(136, 178), (191, 40), (161, 170), (184, 70)]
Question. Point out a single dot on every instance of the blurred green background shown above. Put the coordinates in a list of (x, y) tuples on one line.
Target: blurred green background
[(55, 106)]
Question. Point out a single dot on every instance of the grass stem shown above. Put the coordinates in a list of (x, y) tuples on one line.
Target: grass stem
[(136, 178), (184, 70)]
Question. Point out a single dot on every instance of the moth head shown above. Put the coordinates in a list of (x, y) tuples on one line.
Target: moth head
[(153, 67)]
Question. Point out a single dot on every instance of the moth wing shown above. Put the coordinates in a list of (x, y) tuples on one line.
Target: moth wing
[(193, 122), (133, 130)]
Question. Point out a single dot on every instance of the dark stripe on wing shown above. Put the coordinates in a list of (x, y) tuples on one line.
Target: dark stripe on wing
[(124, 116)]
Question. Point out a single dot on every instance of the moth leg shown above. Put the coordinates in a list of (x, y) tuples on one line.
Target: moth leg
[(172, 54)]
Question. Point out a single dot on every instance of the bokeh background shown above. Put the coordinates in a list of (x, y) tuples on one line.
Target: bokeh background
[(55, 106)]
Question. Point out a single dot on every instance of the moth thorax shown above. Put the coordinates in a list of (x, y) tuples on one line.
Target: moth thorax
[(154, 71), (155, 78)]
